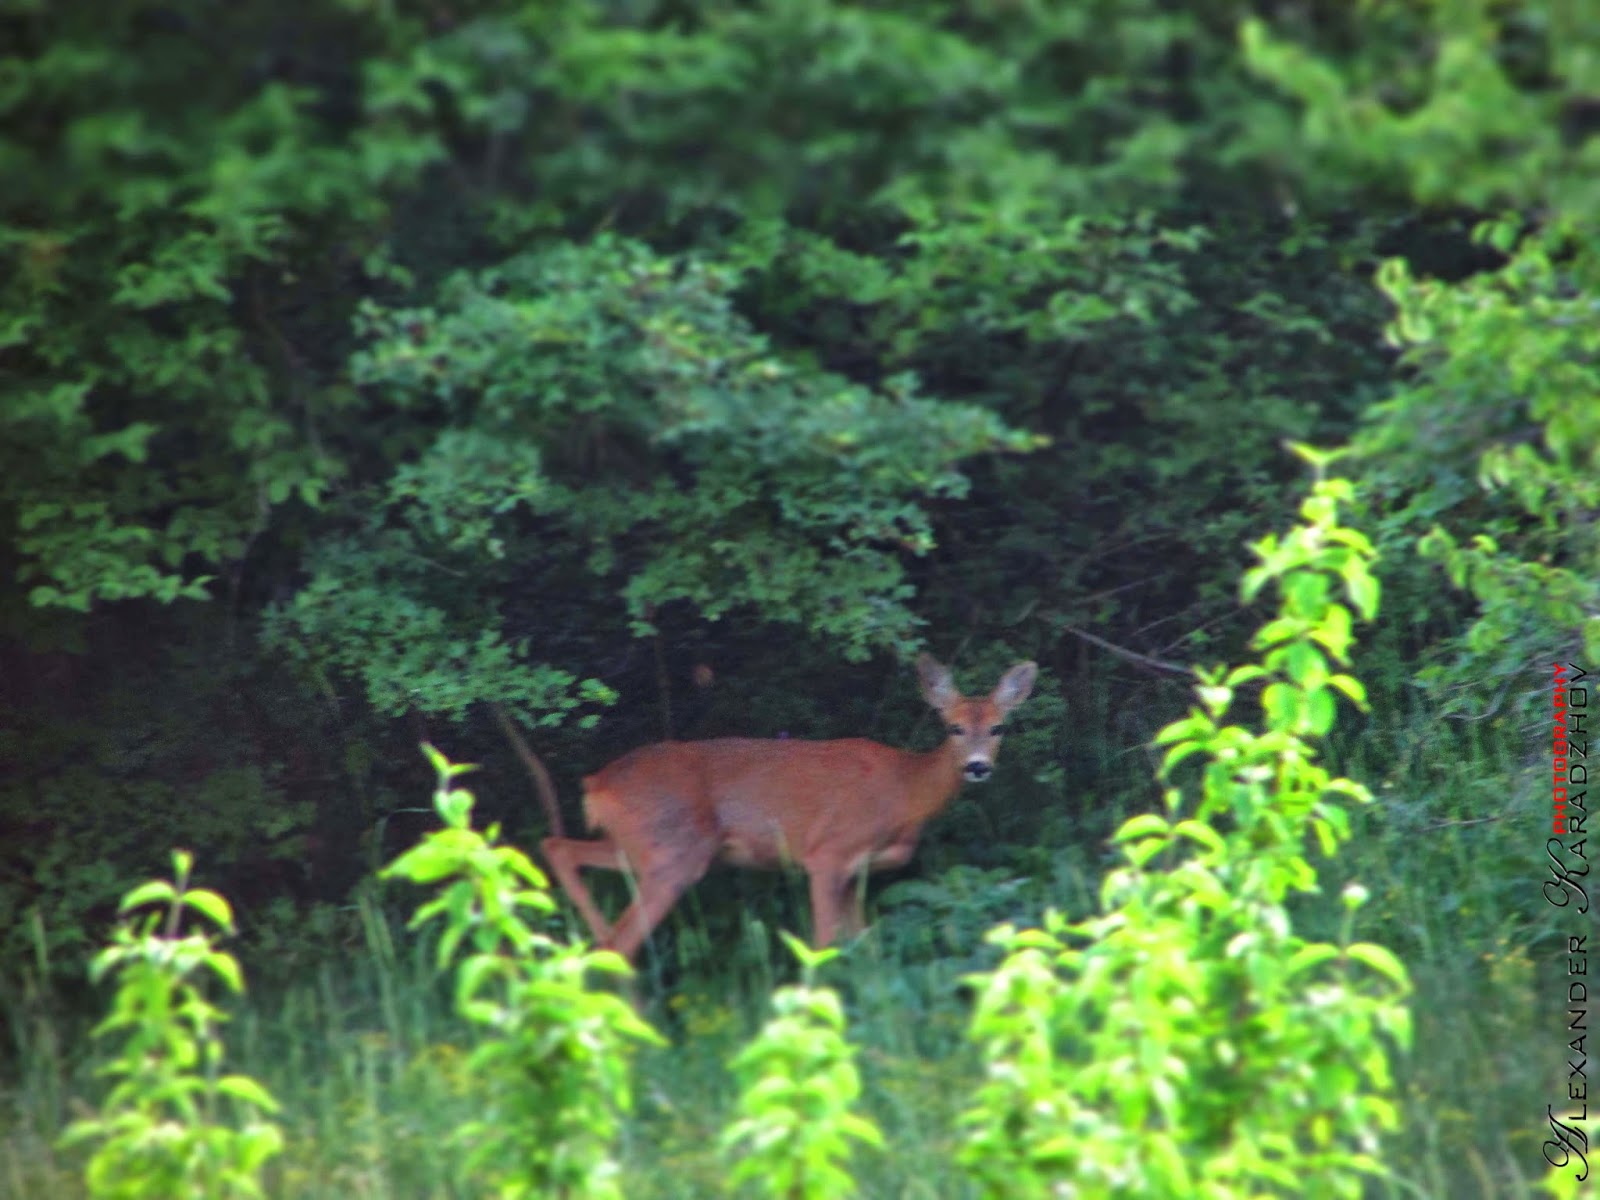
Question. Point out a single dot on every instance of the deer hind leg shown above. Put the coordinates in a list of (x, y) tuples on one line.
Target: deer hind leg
[(660, 880), (567, 856)]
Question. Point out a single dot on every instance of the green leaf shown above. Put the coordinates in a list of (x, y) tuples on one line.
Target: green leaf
[(1310, 956), (1199, 831), (1362, 587), (1382, 960), (155, 891), (246, 1090), (211, 905), (227, 969), (1141, 826)]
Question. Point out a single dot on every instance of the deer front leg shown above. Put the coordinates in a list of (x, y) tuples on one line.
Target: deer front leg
[(829, 888), (660, 883), (853, 893), (852, 901)]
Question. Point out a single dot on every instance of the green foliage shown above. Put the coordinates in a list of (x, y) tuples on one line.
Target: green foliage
[(611, 397), (798, 1084), (990, 200), (1489, 448), (383, 612), (1563, 1185), (552, 1070), (162, 199), (1462, 103), (1186, 1041), (75, 876), (1506, 360), (95, 793), (173, 1124), (454, 348), (946, 916)]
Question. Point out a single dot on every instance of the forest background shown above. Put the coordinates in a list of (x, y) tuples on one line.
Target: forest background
[(650, 369)]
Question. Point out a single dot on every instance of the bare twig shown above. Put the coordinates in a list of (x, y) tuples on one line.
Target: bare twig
[(1131, 655), (1494, 705), (1458, 824)]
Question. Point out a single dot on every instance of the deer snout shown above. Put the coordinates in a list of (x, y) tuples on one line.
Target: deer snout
[(978, 769)]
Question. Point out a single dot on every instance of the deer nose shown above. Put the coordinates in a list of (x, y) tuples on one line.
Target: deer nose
[(978, 769)]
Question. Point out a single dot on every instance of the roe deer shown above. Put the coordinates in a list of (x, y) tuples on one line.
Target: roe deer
[(840, 808)]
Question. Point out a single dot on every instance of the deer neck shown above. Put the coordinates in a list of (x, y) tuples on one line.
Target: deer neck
[(937, 778)]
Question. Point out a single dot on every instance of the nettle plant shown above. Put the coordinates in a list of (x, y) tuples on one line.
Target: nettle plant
[(795, 1128), (173, 1123), (1186, 1042), (552, 1066)]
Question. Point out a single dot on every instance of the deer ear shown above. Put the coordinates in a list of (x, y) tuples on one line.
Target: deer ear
[(938, 689), (1015, 686)]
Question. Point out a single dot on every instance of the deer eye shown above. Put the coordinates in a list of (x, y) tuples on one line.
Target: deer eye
[(955, 730), (996, 730)]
